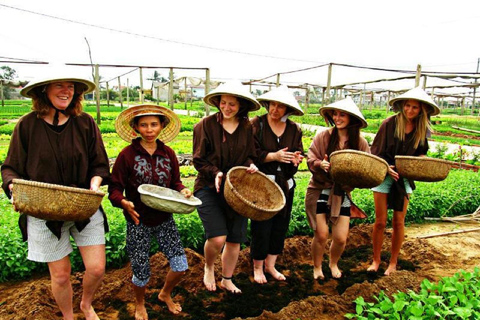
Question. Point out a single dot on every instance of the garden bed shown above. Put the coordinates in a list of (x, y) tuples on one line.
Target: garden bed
[(300, 297)]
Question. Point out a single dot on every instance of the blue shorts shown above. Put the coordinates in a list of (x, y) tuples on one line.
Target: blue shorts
[(386, 185)]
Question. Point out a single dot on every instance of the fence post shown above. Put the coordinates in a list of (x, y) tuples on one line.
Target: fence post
[(97, 93)]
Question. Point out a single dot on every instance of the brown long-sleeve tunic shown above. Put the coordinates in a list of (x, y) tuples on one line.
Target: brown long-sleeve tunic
[(215, 150), (320, 179), (266, 141), (387, 146), (70, 157)]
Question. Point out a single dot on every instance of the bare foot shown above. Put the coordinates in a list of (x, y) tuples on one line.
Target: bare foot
[(318, 273), (89, 312), (373, 267), (209, 279), (275, 274), (336, 273), (391, 269), (259, 276), (228, 285), (173, 307), (141, 312)]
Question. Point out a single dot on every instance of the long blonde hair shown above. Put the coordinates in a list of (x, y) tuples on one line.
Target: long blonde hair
[(422, 125)]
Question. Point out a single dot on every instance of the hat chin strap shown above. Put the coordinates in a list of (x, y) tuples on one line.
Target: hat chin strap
[(56, 115), (285, 117)]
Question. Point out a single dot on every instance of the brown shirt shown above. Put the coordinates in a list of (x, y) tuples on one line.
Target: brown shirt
[(215, 150), (387, 146), (267, 141), (70, 157)]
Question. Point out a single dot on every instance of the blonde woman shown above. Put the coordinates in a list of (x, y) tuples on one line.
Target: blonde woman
[(402, 134)]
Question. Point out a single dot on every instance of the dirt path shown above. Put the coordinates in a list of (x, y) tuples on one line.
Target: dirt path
[(298, 298)]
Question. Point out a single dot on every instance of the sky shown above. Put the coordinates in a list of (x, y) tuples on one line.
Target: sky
[(244, 40)]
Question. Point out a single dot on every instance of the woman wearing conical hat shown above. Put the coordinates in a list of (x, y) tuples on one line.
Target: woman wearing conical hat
[(220, 142), (280, 151), (148, 160), (325, 200), (402, 134), (60, 144)]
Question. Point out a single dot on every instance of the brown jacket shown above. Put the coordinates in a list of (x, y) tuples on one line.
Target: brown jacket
[(215, 150)]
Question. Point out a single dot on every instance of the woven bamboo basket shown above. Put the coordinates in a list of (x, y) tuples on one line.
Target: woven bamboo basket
[(253, 195), (357, 169), (55, 202), (422, 168), (167, 200)]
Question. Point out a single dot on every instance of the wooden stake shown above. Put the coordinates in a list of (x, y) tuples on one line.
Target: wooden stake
[(447, 233), (207, 90), (142, 96), (329, 82), (1, 93), (120, 93), (97, 93), (417, 76), (170, 90), (108, 97)]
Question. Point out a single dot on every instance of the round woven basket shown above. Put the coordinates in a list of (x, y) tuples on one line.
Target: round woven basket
[(55, 202), (357, 169), (253, 195), (422, 168), (167, 200)]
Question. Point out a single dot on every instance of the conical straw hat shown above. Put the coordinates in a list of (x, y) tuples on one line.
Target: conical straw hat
[(415, 94), (346, 105), (233, 88), (124, 122), (82, 86), (282, 95)]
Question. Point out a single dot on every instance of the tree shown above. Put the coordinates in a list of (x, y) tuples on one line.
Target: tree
[(157, 77), (7, 73)]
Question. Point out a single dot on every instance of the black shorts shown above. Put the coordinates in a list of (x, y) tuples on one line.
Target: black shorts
[(322, 207), (219, 219)]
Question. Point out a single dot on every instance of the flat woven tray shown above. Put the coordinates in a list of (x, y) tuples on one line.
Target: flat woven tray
[(55, 202), (168, 200), (422, 168), (254, 196), (357, 169)]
